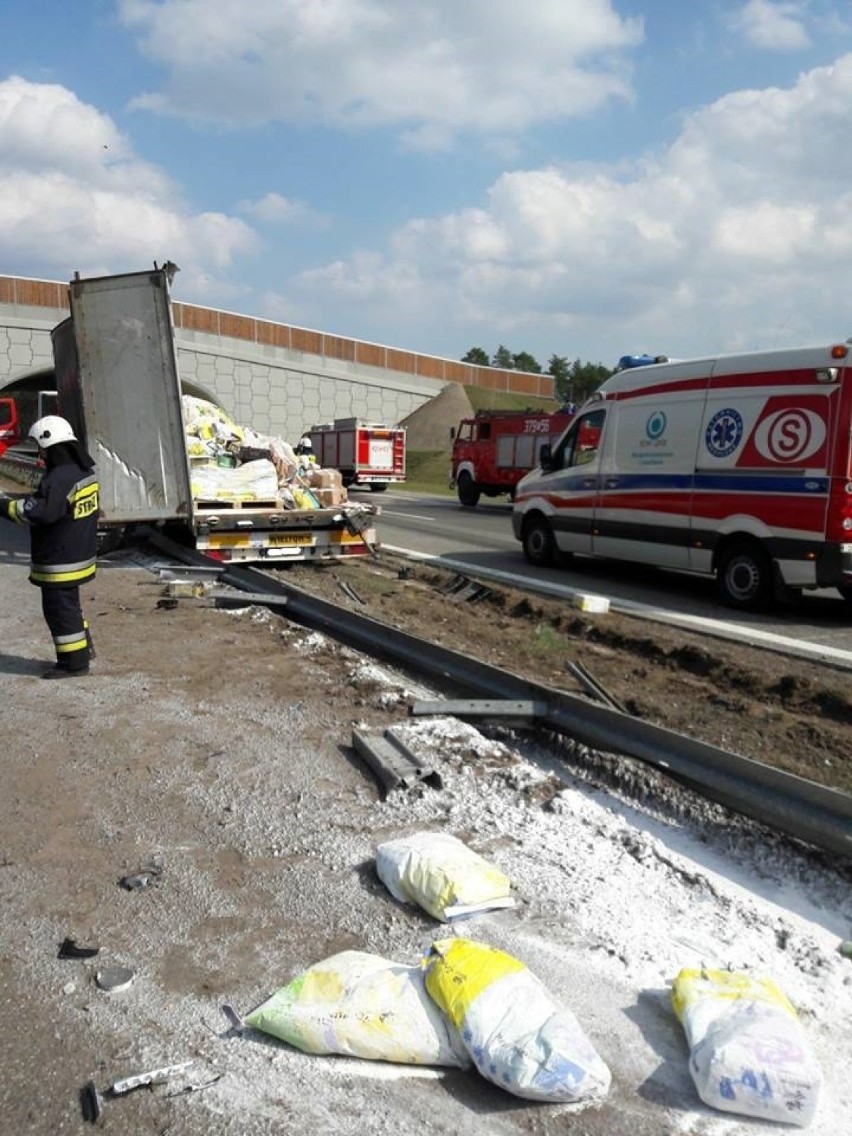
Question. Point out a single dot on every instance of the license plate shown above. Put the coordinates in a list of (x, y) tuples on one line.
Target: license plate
[(277, 539)]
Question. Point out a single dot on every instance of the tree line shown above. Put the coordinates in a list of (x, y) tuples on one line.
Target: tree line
[(573, 382)]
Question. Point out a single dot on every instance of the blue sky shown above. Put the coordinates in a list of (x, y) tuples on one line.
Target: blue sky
[(586, 178)]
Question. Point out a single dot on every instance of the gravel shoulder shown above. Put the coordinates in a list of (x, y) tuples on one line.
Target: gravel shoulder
[(216, 747)]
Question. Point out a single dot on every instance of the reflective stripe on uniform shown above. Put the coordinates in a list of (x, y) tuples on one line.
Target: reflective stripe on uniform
[(63, 573), (65, 644), (83, 498), (14, 511)]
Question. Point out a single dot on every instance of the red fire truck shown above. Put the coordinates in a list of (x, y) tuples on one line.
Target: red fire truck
[(493, 450), (10, 426), (371, 454)]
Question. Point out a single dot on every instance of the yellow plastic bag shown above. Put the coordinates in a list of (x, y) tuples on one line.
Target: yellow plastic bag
[(442, 875), (747, 1050), (362, 1005), (517, 1035)]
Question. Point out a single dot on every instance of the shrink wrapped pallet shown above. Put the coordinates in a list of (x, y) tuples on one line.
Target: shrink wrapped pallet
[(442, 875), (748, 1052), (362, 1005), (518, 1036), (252, 481)]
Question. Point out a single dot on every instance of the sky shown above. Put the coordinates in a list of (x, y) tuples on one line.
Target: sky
[(580, 178)]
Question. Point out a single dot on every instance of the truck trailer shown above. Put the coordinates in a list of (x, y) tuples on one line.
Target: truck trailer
[(118, 384)]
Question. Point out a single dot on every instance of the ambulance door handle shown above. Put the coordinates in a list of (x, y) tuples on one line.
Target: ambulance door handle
[(589, 482), (611, 483)]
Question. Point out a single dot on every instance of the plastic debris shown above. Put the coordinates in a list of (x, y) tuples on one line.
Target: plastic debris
[(442, 875), (114, 978), (748, 1052), (142, 878), (152, 1077), (90, 1102), (518, 1036), (70, 950)]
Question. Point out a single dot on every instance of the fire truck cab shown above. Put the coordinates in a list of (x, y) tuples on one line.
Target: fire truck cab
[(493, 450)]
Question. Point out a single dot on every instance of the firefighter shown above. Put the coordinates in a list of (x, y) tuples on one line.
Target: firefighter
[(62, 514)]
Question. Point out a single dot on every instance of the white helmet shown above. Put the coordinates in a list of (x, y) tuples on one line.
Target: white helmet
[(51, 430)]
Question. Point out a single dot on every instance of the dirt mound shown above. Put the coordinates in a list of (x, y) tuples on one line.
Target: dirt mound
[(429, 426)]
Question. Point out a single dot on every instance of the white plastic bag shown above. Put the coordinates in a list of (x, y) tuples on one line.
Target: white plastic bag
[(747, 1050), (442, 875), (362, 1005), (517, 1035)]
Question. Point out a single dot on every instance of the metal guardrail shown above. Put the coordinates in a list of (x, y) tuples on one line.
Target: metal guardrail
[(793, 805)]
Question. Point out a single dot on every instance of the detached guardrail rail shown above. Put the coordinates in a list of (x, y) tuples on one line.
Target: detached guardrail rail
[(793, 805)]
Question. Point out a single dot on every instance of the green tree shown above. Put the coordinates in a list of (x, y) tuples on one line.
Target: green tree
[(526, 362), (585, 378), (478, 356), (503, 358), (558, 367)]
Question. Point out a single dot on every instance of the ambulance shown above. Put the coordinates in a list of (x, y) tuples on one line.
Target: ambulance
[(737, 467)]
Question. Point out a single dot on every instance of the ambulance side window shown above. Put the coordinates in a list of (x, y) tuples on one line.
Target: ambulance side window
[(582, 442)]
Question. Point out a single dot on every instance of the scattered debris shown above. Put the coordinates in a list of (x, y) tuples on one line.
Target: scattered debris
[(590, 603), (142, 878), (520, 710), (593, 687), (350, 591), (236, 1023), (392, 761), (113, 978), (461, 589), (90, 1102), (70, 950), (152, 1077)]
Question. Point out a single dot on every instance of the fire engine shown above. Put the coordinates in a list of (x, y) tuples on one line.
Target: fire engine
[(371, 454), (493, 450), (9, 424)]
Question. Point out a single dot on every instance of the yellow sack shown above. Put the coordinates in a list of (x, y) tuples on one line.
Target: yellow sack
[(517, 1035), (442, 875), (747, 1050), (362, 1005)]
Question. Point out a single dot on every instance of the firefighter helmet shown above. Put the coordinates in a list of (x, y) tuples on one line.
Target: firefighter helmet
[(51, 430)]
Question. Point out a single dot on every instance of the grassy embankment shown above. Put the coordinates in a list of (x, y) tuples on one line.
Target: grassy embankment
[(428, 471)]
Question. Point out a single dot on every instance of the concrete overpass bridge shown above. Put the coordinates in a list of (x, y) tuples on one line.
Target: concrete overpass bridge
[(278, 379)]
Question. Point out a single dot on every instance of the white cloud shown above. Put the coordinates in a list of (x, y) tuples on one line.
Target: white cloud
[(775, 25), (274, 209), (73, 193), (743, 225), (431, 70)]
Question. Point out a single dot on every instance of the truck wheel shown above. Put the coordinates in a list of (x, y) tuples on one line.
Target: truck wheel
[(468, 490), (744, 577), (539, 544), (378, 486)]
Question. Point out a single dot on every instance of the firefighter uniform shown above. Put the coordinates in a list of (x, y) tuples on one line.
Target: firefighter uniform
[(62, 514)]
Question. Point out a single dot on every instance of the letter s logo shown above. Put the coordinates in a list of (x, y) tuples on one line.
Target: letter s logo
[(791, 435)]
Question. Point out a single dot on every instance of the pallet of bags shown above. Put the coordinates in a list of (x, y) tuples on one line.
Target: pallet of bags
[(748, 1052), (251, 481)]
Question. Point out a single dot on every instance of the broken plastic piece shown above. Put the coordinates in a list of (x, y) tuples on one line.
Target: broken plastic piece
[(69, 950), (114, 978), (90, 1102), (152, 1077), (136, 881), (234, 1019)]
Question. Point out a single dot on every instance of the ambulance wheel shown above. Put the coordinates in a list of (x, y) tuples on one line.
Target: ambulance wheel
[(539, 544), (744, 577), (468, 490)]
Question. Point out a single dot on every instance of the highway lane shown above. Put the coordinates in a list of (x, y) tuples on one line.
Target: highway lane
[(481, 539)]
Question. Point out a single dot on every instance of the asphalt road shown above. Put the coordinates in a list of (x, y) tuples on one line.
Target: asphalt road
[(481, 539)]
